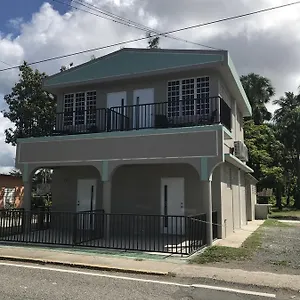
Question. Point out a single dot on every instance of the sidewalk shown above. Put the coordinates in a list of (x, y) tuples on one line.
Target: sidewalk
[(236, 239), (159, 267)]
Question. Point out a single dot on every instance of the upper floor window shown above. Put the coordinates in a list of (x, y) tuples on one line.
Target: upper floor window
[(194, 93), (80, 108)]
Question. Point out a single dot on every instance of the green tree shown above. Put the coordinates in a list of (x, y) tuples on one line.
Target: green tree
[(259, 90), (265, 157), (30, 108), (287, 118), (16, 173), (153, 41)]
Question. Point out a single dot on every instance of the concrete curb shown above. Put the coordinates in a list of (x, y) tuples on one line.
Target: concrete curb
[(83, 266)]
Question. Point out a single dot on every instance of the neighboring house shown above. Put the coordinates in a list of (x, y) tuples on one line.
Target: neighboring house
[(11, 191), (148, 132)]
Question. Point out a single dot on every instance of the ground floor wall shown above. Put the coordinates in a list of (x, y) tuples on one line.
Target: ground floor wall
[(64, 186), (137, 188), (234, 199)]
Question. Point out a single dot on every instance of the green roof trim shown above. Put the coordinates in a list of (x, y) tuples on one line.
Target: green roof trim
[(128, 62), (121, 134), (239, 83)]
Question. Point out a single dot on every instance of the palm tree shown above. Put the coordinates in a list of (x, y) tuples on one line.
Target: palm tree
[(259, 91), (287, 117), (286, 104)]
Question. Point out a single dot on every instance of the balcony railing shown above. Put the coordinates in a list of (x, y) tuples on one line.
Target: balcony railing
[(170, 114)]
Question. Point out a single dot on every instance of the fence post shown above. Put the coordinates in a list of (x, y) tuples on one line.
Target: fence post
[(74, 238)]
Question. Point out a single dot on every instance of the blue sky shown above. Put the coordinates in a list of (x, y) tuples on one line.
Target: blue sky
[(259, 43), (15, 9)]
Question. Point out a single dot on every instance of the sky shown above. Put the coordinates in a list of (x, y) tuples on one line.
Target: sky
[(31, 30)]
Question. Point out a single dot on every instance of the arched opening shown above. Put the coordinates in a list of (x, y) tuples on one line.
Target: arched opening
[(137, 188), (76, 188), (41, 182)]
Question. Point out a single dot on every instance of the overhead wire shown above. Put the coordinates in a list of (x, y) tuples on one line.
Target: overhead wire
[(164, 33), (127, 22)]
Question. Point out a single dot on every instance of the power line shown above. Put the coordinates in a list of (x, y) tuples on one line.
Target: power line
[(127, 22), (168, 32), (5, 63)]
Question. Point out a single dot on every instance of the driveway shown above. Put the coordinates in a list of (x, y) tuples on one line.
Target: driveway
[(279, 252)]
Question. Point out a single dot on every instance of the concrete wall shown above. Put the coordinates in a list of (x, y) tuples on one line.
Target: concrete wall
[(243, 204), (250, 198), (137, 188), (234, 207), (237, 118), (159, 83), (107, 147), (217, 196), (64, 187), (7, 181)]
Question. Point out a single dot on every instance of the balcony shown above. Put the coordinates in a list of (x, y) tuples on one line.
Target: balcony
[(183, 113)]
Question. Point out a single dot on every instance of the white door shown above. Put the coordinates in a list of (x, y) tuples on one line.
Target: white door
[(172, 204), (116, 114), (143, 112), (86, 202)]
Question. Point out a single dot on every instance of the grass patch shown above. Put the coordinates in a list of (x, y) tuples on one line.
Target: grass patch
[(249, 247), (282, 263), (275, 223), (226, 254), (292, 213)]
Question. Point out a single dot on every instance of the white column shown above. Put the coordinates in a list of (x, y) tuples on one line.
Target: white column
[(207, 200)]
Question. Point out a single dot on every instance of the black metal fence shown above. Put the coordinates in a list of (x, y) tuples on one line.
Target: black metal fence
[(215, 224), (180, 234), (169, 114)]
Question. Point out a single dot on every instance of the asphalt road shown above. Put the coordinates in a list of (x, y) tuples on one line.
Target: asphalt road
[(20, 281)]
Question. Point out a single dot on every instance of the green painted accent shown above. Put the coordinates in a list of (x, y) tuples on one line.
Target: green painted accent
[(225, 130), (25, 174), (204, 168), (239, 163), (131, 62), (239, 84), (223, 141), (121, 134), (104, 170)]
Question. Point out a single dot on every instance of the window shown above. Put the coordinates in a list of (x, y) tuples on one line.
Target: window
[(9, 197), (173, 98), (203, 95), (80, 108), (194, 93)]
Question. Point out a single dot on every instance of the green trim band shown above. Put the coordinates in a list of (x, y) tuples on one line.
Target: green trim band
[(238, 163), (122, 134), (204, 168), (104, 170)]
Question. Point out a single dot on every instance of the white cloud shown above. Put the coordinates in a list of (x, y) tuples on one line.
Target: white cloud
[(267, 43)]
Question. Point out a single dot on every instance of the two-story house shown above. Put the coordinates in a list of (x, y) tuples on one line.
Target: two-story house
[(148, 133)]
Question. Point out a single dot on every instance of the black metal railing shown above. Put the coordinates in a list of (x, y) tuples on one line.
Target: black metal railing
[(180, 234), (215, 224), (169, 114)]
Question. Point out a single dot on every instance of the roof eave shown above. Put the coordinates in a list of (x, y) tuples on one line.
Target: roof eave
[(54, 87), (248, 110)]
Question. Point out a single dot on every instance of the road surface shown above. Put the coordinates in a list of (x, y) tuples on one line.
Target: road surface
[(20, 281)]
